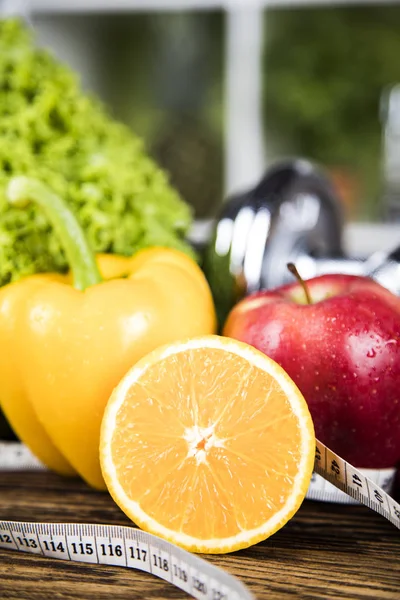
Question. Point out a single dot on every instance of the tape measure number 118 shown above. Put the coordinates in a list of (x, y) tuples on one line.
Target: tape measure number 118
[(133, 548)]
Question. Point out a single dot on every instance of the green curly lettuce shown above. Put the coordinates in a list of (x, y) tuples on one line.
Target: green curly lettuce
[(51, 130)]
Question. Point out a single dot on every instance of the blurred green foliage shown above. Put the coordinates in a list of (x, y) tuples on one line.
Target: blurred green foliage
[(325, 72), (53, 131), (163, 76)]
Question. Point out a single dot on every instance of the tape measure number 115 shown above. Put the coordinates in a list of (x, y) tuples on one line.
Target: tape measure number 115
[(133, 548)]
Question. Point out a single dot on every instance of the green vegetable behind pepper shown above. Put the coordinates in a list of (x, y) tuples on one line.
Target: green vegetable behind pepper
[(51, 130)]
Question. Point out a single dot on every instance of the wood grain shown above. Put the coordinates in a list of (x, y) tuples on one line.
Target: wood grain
[(326, 551)]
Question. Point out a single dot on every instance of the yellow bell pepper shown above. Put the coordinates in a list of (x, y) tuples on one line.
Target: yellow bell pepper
[(64, 347)]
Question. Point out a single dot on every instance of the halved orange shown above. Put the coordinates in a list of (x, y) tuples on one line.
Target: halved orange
[(209, 444)]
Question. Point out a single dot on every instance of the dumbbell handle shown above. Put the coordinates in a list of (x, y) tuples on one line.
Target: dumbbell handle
[(309, 266), (384, 267)]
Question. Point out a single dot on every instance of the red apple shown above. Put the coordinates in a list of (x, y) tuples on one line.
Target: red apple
[(343, 352)]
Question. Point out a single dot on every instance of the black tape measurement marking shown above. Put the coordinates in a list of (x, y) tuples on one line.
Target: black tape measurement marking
[(352, 481), (124, 547), (133, 548)]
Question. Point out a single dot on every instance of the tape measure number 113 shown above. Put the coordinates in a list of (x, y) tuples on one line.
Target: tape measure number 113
[(133, 548)]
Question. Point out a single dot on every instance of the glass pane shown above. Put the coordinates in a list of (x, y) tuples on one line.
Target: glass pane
[(329, 75), (161, 73)]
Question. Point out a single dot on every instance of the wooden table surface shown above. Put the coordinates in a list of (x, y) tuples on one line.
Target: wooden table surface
[(326, 551)]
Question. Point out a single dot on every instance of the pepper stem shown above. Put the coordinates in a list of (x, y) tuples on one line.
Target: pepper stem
[(293, 269), (22, 190)]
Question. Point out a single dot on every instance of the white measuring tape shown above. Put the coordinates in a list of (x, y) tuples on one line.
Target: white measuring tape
[(15, 457), (136, 549), (321, 489), (125, 547)]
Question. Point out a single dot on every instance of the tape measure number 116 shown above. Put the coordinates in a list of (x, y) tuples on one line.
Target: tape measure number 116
[(133, 548)]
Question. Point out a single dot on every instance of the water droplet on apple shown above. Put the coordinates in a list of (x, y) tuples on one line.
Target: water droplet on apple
[(317, 372), (371, 353)]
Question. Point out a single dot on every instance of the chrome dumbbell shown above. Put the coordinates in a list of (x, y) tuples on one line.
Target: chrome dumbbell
[(292, 215)]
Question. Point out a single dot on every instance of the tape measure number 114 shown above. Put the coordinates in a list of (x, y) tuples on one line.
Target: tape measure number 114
[(133, 548)]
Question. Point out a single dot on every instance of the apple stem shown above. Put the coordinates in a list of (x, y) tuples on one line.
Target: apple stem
[(293, 269)]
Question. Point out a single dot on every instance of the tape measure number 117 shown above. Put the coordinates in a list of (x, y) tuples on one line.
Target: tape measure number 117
[(133, 548)]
